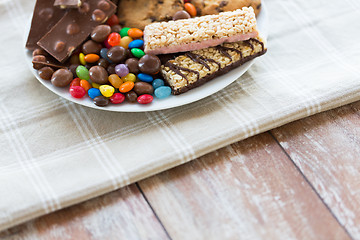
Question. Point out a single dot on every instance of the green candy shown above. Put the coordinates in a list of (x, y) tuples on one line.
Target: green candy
[(137, 52), (82, 73), (124, 32)]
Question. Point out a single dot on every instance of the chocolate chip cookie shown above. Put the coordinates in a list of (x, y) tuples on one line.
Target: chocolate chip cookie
[(208, 7), (139, 13)]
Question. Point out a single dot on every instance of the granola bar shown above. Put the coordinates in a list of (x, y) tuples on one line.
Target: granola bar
[(192, 69), (201, 32)]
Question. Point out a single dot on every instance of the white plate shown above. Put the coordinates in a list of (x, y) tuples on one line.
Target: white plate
[(191, 96)]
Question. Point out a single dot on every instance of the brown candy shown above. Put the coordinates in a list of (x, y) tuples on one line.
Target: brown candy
[(46, 73), (100, 33), (111, 69), (117, 54), (39, 59), (131, 97), (149, 64), (116, 28), (143, 88), (91, 47), (72, 68), (61, 78), (98, 16), (181, 15), (132, 64), (39, 51), (101, 101), (98, 75), (103, 63)]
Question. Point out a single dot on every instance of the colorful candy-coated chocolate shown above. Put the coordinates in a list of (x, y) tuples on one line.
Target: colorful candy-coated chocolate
[(145, 77), (94, 92), (114, 39), (145, 99), (137, 43), (107, 90), (101, 101), (95, 85), (190, 8), (82, 58), (117, 98), (135, 33), (75, 82), (91, 58), (122, 70), (124, 32), (85, 85), (113, 20), (82, 72), (107, 45), (137, 52), (125, 41), (115, 80), (158, 83), (77, 91), (103, 54), (129, 78), (126, 87), (162, 92)]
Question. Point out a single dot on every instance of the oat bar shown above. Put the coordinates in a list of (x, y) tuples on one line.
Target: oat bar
[(192, 69), (201, 32)]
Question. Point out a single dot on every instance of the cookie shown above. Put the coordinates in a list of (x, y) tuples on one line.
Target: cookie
[(208, 7), (139, 13)]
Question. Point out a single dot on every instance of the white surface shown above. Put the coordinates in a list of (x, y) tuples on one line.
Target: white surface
[(193, 95)]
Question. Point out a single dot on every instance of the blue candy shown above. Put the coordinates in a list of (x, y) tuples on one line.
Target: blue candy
[(162, 92), (94, 92), (157, 83), (137, 43), (103, 54), (145, 77)]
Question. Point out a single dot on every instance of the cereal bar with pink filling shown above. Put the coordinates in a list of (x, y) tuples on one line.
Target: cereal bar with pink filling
[(201, 32)]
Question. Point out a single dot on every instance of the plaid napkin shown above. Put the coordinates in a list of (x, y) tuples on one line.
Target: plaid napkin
[(54, 153)]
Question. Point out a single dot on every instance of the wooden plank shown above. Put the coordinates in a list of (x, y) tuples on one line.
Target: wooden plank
[(249, 190), (326, 148), (123, 214)]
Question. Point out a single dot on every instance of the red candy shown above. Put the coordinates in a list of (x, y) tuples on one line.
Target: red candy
[(75, 82), (117, 98), (114, 39), (145, 99), (77, 91), (113, 20)]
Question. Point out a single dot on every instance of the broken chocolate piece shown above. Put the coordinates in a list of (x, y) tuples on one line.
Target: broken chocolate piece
[(189, 70), (45, 16), (67, 3), (75, 26)]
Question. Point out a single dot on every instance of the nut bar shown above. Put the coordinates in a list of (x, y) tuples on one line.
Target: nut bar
[(201, 32), (45, 16), (67, 3), (75, 27), (192, 69)]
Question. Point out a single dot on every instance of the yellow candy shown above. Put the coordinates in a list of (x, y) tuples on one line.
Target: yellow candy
[(82, 59), (95, 85), (115, 80), (107, 90), (129, 78), (124, 42)]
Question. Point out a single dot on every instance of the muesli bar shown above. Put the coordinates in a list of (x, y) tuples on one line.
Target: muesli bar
[(201, 32), (192, 69)]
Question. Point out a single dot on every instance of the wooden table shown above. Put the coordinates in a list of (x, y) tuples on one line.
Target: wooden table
[(299, 181)]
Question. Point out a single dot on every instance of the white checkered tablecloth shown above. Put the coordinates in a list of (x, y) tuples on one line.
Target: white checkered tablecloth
[(54, 153)]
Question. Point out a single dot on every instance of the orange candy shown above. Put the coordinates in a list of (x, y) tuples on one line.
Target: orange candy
[(126, 87), (135, 33), (85, 85), (190, 9), (91, 58)]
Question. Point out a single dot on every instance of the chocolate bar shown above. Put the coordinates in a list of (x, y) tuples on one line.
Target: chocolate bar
[(75, 26), (201, 32), (67, 3), (45, 16), (192, 69)]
